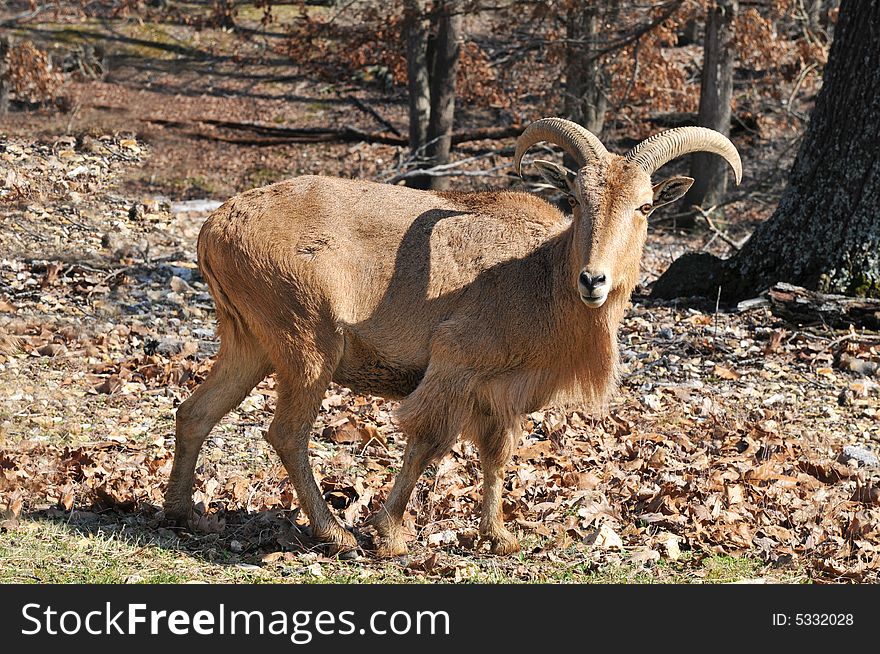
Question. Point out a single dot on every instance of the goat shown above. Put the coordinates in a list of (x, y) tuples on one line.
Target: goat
[(473, 308)]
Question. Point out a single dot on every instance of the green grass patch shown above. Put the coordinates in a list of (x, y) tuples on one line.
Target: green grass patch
[(43, 550)]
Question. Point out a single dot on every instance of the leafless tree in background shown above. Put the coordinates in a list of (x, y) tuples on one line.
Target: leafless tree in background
[(716, 93), (585, 84), (5, 45), (433, 46)]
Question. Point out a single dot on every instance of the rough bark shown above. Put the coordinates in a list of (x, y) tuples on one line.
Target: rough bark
[(825, 233), (716, 91), (432, 66)]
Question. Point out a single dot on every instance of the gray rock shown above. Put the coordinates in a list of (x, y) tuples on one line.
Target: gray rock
[(194, 206), (861, 455), (186, 274)]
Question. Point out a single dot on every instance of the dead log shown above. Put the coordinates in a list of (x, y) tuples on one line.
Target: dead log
[(799, 305)]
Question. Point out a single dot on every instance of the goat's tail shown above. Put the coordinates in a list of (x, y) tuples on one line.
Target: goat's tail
[(231, 321)]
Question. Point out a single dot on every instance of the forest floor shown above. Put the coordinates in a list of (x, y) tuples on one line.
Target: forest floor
[(739, 447)]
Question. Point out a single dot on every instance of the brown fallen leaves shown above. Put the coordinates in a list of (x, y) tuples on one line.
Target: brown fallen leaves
[(730, 486)]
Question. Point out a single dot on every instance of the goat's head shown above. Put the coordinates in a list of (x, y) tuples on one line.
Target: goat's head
[(612, 196)]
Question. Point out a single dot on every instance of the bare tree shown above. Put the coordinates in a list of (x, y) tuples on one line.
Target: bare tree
[(5, 45), (433, 46), (585, 83), (716, 93), (415, 32)]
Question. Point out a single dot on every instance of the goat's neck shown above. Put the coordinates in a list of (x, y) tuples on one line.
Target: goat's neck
[(586, 354)]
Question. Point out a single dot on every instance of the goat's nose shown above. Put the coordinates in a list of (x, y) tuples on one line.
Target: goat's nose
[(591, 281)]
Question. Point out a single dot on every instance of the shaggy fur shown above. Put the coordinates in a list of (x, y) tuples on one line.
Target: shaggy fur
[(465, 305)]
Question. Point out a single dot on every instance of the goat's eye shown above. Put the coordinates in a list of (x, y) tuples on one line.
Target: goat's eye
[(646, 208), (571, 201)]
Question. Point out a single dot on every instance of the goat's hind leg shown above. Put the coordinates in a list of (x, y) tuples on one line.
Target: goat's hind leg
[(241, 364), (289, 435), (421, 450)]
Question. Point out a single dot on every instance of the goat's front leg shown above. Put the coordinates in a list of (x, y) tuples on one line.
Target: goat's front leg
[(495, 446), (421, 451)]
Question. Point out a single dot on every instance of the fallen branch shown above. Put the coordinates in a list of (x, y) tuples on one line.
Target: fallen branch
[(24, 16), (486, 133), (367, 109), (281, 135), (451, 169), (800, 305)]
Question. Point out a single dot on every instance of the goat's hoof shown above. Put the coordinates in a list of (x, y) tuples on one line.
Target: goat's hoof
[(177, 518), (502, 542), (341, 543), (392, 546), (390, 542)]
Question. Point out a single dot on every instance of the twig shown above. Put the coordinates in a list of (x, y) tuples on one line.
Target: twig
[(635, 36), (363, 106), (797, 86), (434, 172), (833, 343), (25, 15), (718, 232), (447, 169), (632, 79)]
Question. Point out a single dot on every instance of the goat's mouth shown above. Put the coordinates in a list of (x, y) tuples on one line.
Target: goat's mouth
[(594, 301), (593, 295)]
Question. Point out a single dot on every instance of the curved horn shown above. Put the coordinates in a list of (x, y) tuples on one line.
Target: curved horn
[(577, 141), (662, 148)]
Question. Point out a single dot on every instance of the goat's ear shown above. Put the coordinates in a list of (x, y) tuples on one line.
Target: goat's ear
[(670, 190), (557, 176)]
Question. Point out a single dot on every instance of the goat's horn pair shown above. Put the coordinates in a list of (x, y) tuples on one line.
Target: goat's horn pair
[(648, 155)]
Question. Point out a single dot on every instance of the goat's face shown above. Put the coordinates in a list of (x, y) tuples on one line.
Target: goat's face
[(611, 196), (611, 200)]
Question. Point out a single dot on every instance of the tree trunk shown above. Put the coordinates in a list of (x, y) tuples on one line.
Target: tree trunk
[(825, 233), (716, 91), (432, 66), (690, 33), (415, 33), (585, 101), (444, 68), (5, 46)]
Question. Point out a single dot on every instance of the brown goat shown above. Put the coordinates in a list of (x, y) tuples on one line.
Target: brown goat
[(474, 308)]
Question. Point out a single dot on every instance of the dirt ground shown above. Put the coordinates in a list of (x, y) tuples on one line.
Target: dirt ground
[(739, 445)]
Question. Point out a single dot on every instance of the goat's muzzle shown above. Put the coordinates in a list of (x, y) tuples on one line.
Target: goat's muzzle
[(593, 288)]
